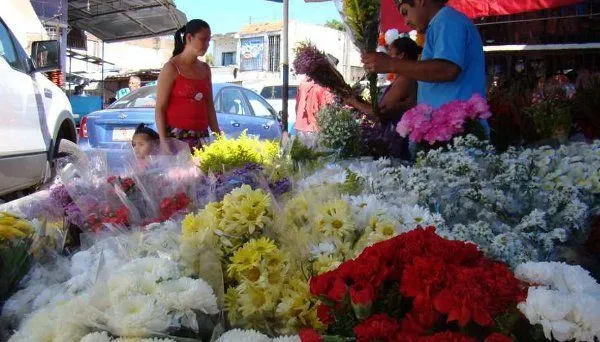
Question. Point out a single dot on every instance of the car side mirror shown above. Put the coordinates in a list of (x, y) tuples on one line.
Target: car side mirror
[(45, 55)]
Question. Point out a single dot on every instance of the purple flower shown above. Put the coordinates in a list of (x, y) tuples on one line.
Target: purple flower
[(74, 215), (280, 187), (308, 58), (60, 195)]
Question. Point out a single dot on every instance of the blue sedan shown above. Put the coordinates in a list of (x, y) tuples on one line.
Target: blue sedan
[(238, 109)]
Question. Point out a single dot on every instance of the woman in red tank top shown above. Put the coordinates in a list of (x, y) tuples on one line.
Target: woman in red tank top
[(184, 100)]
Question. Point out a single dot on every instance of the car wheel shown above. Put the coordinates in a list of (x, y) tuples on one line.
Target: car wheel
[(66, 151)]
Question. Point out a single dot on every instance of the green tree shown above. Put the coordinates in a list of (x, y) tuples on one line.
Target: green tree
[(335, 24), (210, 59)]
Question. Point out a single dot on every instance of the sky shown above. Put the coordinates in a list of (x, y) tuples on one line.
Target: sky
[(225, 16)]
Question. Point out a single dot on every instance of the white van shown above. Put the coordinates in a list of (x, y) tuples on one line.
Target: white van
[(35, 115), (273, 94)]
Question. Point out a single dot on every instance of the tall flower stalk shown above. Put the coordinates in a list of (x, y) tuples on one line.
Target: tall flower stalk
[(361, 19)]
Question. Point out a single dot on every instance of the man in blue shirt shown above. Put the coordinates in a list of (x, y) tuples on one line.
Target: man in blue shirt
[(452, 66)]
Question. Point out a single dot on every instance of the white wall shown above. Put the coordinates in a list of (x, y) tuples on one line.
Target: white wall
[(23, 22), (149, 53), (228, 43), (334, 42)]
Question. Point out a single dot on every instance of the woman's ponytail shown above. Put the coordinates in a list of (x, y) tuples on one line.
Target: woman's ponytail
[(179, 41)]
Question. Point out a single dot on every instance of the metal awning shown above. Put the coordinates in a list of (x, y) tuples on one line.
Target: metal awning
[(118, 20), (86, 58)]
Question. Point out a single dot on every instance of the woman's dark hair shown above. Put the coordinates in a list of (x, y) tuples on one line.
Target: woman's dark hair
[(143, 129), (192, 27), (408, 46)]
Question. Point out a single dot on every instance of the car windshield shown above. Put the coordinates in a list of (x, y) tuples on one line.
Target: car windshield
[(275, 92), (144, 97)]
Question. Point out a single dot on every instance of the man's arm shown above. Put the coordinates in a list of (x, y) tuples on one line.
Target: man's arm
[(436, 70)]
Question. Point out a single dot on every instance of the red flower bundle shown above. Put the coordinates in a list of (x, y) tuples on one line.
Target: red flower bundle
[(169, 206), (417, 287), (126, 184), (118, 217)]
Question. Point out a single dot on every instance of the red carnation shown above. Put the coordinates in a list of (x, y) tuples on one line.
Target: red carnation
[(379, 327), (320, 285), (324, 313), (447, 336), (310, 335), (419, 322), (362, 294), (497, 337), (338, 290)]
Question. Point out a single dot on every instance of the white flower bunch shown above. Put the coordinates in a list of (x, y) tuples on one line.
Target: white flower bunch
[(104, 337), (513, 205), (238, 335), (339, 130), (149, 295), (563, 299)]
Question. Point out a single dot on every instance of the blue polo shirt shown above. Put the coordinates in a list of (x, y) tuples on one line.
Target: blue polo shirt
[(452, 36)]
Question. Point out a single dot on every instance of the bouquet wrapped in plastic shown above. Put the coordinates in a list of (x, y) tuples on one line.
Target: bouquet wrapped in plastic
[(125, 285), (100, 198), (167, 184)]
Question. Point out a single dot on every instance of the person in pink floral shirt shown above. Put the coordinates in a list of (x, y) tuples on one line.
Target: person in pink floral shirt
[(310, 98)]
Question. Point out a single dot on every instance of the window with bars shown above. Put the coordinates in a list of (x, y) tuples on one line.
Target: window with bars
[(274, 53)]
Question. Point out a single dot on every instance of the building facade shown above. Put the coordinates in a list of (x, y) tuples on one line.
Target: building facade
[(255, 52)]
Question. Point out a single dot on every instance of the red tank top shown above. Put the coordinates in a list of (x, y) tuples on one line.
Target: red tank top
[(188, 104)]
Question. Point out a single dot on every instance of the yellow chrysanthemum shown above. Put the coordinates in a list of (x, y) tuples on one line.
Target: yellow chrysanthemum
[(245, 211), (258, 260), (296, 212), (256, 300), (243, 260), (231, 304), (294, 309)]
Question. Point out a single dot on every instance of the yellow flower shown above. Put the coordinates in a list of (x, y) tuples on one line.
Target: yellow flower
[(263, 246), (296, 212), (242, 261), (256, 300), (295, 308), (258, 260), (245, 212), (232, 306), (12, 226)]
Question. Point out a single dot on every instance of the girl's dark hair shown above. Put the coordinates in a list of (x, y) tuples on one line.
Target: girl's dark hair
[(408, 46), (192, 27), (143, 129)]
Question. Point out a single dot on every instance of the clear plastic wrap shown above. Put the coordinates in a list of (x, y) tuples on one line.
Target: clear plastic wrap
[(166, 183), (128, 285), (100, 197)]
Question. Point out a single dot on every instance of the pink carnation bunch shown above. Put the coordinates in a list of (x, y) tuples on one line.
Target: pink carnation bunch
[(424, 123)]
